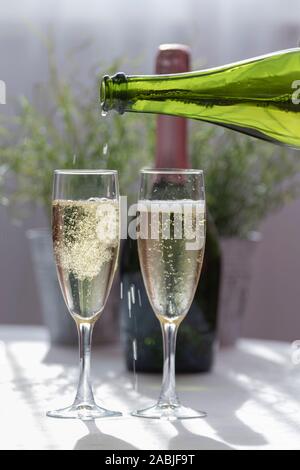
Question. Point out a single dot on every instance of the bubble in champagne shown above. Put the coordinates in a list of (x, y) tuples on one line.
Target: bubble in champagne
[(134, 358), (129, 303), (139, 297), (103, 113), (132, 290), (134, 349)]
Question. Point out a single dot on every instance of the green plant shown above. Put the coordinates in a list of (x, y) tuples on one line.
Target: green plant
[(245, 178), (62, 128)]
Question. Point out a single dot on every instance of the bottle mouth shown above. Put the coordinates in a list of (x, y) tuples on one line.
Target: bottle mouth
[(113, 93)]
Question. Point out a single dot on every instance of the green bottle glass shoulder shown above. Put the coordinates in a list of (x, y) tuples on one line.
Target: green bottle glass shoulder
[(259, 96)]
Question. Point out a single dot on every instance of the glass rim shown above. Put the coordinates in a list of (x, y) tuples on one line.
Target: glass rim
[(171, 171), (85, 172)]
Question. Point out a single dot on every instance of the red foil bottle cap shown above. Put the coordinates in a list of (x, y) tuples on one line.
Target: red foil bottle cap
[(171, 138), (173, 58)]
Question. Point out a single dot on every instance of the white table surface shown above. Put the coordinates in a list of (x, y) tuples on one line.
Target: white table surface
[(252, 399)]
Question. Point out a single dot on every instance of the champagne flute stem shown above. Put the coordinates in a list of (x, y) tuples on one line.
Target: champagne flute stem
[(168, 394), (84, 393)]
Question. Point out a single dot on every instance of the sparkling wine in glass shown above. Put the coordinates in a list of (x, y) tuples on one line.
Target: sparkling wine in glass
[(171, 239), (85, 224)]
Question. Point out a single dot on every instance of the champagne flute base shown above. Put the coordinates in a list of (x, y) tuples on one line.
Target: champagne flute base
[(169, 412), (84, 412)]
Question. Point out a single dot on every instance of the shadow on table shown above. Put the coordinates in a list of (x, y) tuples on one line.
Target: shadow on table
[(224, 395), (67, 360), (229, 398), (255, 375), (97, 440), (227, 424), (244, 380), (187, 440), (249, 375), (58, 354)]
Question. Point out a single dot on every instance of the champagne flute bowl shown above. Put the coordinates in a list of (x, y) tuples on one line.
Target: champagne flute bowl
[(171, 239), (85, 225)]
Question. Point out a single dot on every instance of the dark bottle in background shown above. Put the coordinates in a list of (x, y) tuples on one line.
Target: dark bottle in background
[(140, 329)]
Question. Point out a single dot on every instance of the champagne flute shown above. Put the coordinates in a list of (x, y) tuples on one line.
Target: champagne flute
[(85, 223), (171, 239)]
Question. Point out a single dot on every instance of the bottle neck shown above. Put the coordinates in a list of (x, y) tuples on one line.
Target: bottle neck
[(143, 93), (259, 97), (171, 144), (113, 93)]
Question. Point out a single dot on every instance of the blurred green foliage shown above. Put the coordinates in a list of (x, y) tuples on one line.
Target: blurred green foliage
[(245, 178), (62, 128)]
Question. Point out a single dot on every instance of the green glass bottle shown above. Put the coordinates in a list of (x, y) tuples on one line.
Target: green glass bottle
[(259, 96)]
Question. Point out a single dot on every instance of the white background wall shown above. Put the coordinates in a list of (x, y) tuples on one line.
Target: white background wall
[(219, 31)]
